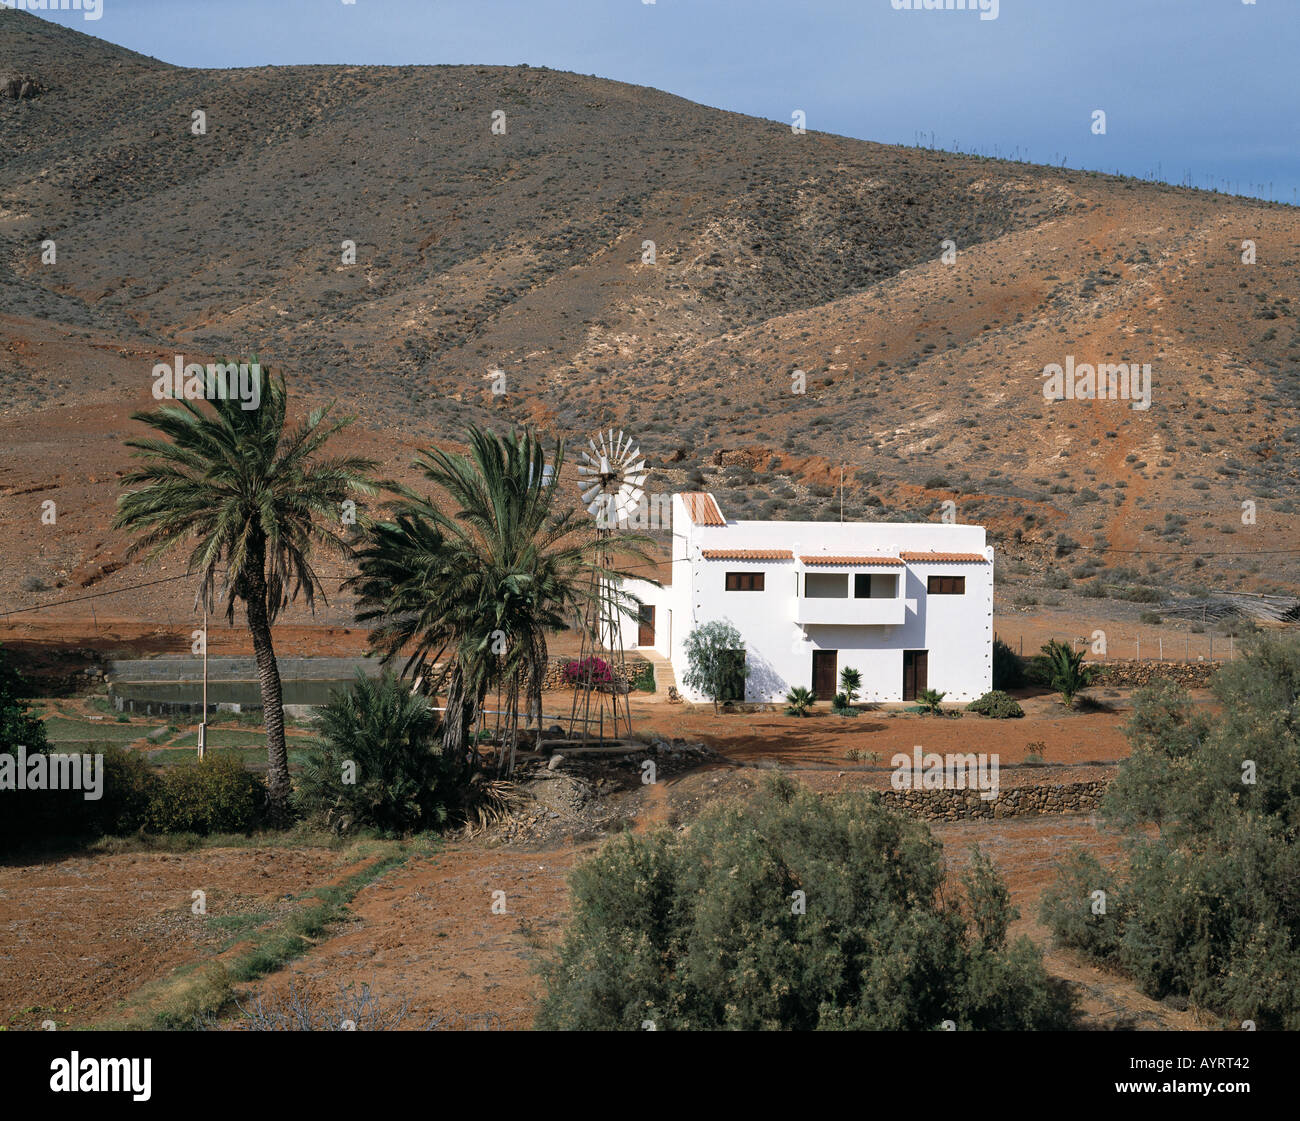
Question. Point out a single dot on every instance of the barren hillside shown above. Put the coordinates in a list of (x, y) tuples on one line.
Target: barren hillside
[(525, 251)]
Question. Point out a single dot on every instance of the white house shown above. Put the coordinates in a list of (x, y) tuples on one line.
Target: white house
[(909, 605)]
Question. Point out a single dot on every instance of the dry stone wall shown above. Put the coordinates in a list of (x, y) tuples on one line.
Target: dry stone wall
[(1131, 675), (1013, 801), (554, 677)]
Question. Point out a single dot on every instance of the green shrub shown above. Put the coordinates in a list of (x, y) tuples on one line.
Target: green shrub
[(1211, 901), (996, 704), (792, 911), (379, 763), (1008, 666), (1080, 918), (214, 795), (1140, 593), (645, 678), (23, 814), (131, 787), (716, 663)]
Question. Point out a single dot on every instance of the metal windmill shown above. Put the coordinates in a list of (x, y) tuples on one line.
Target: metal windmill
[(611, 475)]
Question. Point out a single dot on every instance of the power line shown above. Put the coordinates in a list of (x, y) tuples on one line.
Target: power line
[(673, 560), (94, 595)]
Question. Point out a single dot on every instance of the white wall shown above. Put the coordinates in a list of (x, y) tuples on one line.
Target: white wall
[(661, 598), (957, 631)]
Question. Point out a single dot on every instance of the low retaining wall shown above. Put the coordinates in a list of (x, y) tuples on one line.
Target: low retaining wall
[(1012, 801), (1130, 675), (627, 672)]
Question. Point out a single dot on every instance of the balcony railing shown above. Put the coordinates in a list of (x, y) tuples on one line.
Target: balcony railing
[(851, 612)]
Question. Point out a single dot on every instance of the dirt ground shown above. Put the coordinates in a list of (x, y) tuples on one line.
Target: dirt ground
[(823, 739), (427, 935), (81, 933), (84, 933)]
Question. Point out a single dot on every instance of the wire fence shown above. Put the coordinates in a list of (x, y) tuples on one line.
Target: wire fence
[(1175, 647)]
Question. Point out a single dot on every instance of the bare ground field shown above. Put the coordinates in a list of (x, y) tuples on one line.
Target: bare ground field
[(426, 936), (86, 933)]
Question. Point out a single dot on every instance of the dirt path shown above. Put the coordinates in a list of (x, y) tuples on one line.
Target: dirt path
[(428, 936)]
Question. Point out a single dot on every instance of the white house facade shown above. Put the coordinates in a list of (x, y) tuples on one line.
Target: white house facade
[(908, 605)]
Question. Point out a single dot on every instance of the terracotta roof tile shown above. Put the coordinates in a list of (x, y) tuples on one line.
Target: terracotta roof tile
[(703, 508), (747, 554), (944, 558), (846, 560)]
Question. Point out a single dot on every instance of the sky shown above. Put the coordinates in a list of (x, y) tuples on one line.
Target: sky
[(1203, 92)]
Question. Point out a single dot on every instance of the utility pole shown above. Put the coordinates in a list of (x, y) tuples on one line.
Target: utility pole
[(841, 492), (203, 723)]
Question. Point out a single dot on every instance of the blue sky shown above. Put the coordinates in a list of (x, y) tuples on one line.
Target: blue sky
[(1205, 91)]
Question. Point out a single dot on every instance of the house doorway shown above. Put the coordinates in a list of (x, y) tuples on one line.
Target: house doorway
[(825, 672), (645, 634), (916, 664)]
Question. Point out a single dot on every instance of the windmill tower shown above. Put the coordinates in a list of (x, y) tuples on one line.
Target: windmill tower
[(611, 474)]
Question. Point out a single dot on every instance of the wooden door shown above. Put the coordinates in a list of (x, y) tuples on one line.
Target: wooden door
[(825, 672), (916, 664), (645, 635)]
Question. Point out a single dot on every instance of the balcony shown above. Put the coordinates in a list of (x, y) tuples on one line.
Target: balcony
[(843, 612)]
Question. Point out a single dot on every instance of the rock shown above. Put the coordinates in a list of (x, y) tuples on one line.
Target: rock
[(555, 763), (23, 87)]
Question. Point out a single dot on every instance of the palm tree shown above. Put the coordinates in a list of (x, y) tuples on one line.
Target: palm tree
[(850, 683), (1067, 673), (470, 586), (799, 700), (255, 495), (931, 701), (389, 736)]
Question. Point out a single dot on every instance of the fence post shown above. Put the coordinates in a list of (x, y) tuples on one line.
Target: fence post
[(1161, 640), (1139, 649), (1211, 646)]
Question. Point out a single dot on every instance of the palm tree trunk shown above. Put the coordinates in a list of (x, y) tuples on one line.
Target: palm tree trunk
[(268, 679), (458, 717)]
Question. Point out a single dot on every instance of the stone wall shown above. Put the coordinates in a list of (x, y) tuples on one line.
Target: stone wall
[(627, 672), (1012, 801), (1130, 675)]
